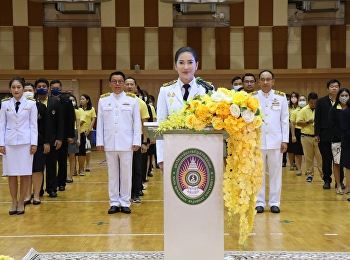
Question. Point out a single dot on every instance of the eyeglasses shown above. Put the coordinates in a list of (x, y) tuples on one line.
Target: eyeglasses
[(249, 82), (117, 81), (266, 80)]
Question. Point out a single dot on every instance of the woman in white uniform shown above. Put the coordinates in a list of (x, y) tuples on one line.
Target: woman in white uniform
[(18, 141)]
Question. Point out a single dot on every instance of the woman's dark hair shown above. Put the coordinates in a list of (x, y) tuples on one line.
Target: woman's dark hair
[(186, 49), (89, 104), (336, 103), (291, 95), (21, 80), (76, 102)]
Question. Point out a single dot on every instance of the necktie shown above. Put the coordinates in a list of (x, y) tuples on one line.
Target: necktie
[(186, 87), (17, 106)]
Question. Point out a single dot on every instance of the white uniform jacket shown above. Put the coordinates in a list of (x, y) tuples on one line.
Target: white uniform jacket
[(118, 122), (21, 127), (275, 129), (170, 99)]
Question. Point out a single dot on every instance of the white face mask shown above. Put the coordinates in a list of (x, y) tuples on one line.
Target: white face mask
[(302, 103), (28, 94), (73, 103), (237, 87), (343, 100), (150, 103)]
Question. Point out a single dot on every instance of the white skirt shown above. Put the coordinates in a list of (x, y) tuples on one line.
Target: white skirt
[(17, 161)]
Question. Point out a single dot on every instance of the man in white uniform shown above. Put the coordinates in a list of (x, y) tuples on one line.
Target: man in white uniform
[(118, 133), (274, 139)]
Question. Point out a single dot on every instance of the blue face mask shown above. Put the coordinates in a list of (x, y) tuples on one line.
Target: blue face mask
[(55, 92), (42, 91)]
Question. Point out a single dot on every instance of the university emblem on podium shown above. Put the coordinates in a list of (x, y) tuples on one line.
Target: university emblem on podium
[(192, 176)]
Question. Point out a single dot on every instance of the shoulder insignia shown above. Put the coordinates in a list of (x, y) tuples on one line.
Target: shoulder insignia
[(254, 93), (170, 83), (6, 98), (280, 93), (130, 94), (32, 99), (105, 95)]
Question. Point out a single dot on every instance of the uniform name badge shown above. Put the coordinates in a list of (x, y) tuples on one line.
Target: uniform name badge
[(275, 103)]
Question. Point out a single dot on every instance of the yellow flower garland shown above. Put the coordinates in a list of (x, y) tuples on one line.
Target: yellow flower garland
[(238, 113)]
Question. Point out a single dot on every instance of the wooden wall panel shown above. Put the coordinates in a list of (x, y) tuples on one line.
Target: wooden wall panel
[(309, 47), (21, 47), (266, 13), (222, 47), (108, 48), (280, 47), (122, 13), (51, 57), (80, 48), (35, 13), (137, 47), (165, 48), (338, 46), (194, 40), (6, 13), (251, 47), (151, 13), (237, 14)]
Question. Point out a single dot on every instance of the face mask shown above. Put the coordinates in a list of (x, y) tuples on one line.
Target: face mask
[(302, 103), (150, 103), (294, 100), (343, 100), (28, 94), (73, 103), (237, 87), (145, 99), (42, 91), (55, 92), (288, 102)]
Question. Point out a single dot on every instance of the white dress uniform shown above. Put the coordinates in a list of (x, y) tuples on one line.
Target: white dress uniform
[(18, 131), (170, 99), (118, 129), (275, 130)]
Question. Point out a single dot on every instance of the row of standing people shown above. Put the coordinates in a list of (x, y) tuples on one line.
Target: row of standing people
[(49, 137)]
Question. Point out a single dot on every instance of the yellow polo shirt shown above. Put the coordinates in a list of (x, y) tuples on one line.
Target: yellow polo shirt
[(143, 111), (293, 117), (305, 114)]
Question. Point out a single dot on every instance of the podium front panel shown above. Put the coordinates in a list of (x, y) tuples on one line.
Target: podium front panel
[(193, 197)]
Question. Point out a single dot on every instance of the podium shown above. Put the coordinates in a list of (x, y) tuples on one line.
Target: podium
[(193, 194)]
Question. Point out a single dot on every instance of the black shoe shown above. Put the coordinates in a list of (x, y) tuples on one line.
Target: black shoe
[(125, 210), (284, 164), (52, 194), (20, 212), (145, 180), (343, 187), (140, 193), (62, 188), (69, 181), (275, 209), (259, 209), (150, 174), (326, 185), (26, 202), (13, 212), (135, 199), (113, 209), (36, 202)]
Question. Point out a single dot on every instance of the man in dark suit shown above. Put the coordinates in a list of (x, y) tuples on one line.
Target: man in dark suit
[(323, 132), (54, 108), (68, 132)]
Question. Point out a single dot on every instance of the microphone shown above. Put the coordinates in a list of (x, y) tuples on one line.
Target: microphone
[(204, 84)]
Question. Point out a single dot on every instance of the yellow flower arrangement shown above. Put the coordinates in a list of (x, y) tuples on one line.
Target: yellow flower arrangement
[(238, 113), (5, 257)]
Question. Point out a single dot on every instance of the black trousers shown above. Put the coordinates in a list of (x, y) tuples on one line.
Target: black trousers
[(136, 173), (51, 169), (144, 170), (62, 164), (327, 158)]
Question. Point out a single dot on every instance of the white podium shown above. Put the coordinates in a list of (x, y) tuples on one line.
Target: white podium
[(193, 195)]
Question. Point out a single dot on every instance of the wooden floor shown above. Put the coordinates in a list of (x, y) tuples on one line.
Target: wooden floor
[(311, 219)]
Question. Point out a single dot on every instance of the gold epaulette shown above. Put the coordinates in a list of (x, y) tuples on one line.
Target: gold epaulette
[(280, 93), (130, 94), (254, 93), (170, 83), (105, 95), (6, 98), (32, 99)]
